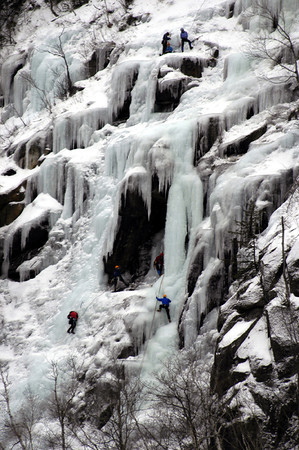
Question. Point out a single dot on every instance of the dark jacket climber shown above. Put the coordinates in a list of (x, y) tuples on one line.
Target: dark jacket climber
[(159, 263), (73, 316), (165, 304), (166, 37), (184, 38), (117, 276)]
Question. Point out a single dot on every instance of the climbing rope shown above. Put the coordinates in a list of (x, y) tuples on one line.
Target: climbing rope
[(88, 305), (195, 15)]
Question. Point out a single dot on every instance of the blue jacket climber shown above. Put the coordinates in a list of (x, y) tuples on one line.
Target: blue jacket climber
[(165, 304), (184, 38), (169, 49), (164, 300)]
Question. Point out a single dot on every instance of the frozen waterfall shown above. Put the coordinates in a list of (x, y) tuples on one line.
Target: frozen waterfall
[(151, 153)]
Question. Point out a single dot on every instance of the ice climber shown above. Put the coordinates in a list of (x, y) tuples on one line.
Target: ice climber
[(165, 304), (159, 263), (73, 316), (165, 39), (184, 38), (117, 276), (169, 49)]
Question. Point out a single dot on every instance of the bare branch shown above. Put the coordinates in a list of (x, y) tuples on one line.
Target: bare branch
[(271, 43)]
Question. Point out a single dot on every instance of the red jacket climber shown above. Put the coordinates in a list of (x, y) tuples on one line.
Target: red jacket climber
[(159, 263), (73, 316)]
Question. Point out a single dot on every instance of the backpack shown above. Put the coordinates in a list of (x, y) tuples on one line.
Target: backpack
[(72, 315)]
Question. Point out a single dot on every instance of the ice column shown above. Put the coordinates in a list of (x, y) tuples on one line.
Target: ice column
[(184, 207), (144, 93)]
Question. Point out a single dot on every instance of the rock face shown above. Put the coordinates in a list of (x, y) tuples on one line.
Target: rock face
[(37, 237), (169, 92), (11, 204), (27, 153), (175, 79), (136, 231), (258, 346), (241, 145)]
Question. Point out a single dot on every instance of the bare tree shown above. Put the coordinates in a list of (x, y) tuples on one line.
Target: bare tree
[(125, 399), (107, 11), (274, 42), (19, 424), (43, 95), (185, 410), (65, 385), (58, 51), (62, 86), (245, 256)]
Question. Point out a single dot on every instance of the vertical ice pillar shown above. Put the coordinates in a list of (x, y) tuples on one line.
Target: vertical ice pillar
[(144, 93), (184, 206)]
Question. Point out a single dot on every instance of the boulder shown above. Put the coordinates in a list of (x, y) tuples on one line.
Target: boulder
[(223, 376), (191, 66)]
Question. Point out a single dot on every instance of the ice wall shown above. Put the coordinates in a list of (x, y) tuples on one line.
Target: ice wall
[(95, 165), (246, 11)]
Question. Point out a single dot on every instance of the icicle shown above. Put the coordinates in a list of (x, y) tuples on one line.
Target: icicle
[(123, 79), (51, 177), (8, 71), (21, 89), (143, 93), (75, 130)]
